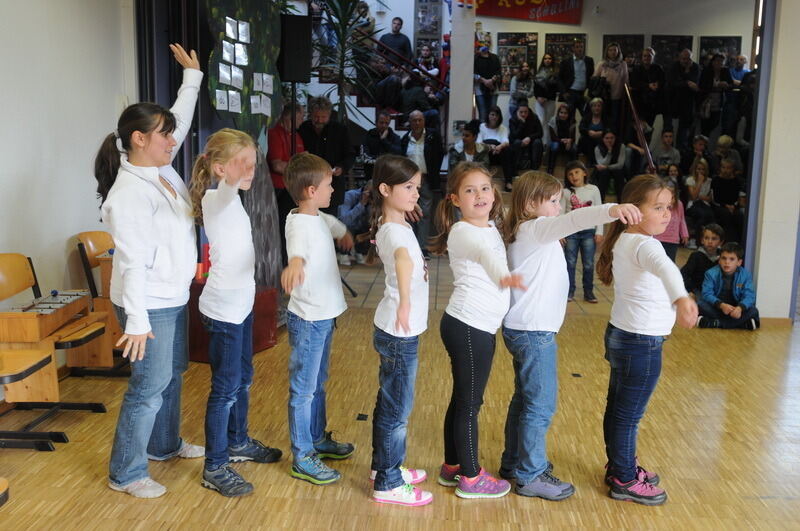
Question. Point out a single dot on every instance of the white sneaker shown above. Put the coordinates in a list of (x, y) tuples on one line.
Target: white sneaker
[(191, 451), (344, 259), (408, 495), (410, 475), (143, 488), (361, 259)]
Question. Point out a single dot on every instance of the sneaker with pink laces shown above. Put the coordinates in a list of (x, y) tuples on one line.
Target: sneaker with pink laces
[(410, 475), (407, 495), (637, 490), (482, 486), (649, 477), (448, 475)]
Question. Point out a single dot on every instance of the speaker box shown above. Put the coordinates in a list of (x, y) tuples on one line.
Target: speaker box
[(294, 61)]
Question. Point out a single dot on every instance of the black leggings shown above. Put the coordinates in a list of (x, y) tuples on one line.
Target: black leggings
[(471, 352)]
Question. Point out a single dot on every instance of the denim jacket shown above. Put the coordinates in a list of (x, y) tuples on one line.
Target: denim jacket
[(743, 290)]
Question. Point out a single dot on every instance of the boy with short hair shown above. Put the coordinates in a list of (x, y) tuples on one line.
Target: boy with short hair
[(313, 282), (703, 259), (728, 295)]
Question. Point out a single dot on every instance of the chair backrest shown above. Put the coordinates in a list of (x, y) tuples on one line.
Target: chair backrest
[(16, 275), (95, 242)]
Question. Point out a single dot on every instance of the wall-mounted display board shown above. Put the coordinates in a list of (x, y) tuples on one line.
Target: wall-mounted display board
[(559, 45), (556, 11), (730, 47), (513, 49), (668, 47)]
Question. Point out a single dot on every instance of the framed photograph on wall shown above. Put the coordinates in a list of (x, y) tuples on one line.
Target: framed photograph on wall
[(730, 47), (630, 44), (559, 45), (513, 49), (667, 47)]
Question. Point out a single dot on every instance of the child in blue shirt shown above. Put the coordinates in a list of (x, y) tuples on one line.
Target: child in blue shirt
[(729, 298)]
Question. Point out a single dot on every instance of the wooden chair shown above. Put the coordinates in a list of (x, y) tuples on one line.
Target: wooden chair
[(93, 247), (28, 340)]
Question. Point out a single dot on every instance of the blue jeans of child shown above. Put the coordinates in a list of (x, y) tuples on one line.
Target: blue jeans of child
[(397, 375), (635, 361), (308, 372), (725, 321), (534, 402), (582, 240), (230, 352), (150, 415)]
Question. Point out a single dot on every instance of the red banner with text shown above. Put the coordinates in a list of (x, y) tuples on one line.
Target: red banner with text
[(560, 11)]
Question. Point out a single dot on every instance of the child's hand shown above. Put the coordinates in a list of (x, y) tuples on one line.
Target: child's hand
[(626, 213), (736, 313), (726, 308), (293, 275), (687, 312), (513, 281), (346, 241), (598, 239), (401, 324), (134, 345), (186, 60)]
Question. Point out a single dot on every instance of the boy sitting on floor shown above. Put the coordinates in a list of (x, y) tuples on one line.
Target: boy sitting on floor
[(703, 259), (728, 295)]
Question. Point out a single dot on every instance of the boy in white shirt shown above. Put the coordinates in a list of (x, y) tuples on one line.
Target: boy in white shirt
[(313, 282)]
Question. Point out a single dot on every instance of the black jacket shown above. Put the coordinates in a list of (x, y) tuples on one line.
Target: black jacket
[(375, 146), (566, 71), (434, 153), (681, 97), (695, 269), (333, 144), (518, 130)]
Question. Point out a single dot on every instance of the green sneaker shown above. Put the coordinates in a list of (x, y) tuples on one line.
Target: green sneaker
[(311, 469)]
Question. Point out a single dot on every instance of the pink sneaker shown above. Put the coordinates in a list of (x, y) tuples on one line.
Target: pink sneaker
[(637, 490), (448, 475), (407, 494), (649, 477), (482, 486), (410, 475)]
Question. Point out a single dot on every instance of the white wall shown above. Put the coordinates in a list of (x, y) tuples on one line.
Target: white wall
[(68, 70)]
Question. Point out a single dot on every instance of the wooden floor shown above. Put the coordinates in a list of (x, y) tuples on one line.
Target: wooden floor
[(722, 430)]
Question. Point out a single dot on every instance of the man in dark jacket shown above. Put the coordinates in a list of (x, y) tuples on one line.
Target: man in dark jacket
[(397, 41), (574, 74), (379, 140), (487, 74), (331, 141), (683, 81), (425, 148), (647, 83)]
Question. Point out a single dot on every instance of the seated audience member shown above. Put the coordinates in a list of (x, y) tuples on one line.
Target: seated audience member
[(378, 141), (414, 98), (525, 135), (729, 298), (591, 129), (724, 151), (521, 89), (427, 62), (726, 194), (699, 211), (387, 92), (468, 148), (495, 135), (562, 136), (664, 152), (676, 233), (610, 165), (698, 150), (703, 259), (355, 214)]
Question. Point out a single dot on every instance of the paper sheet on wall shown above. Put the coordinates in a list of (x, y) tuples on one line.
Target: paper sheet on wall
[(222, 100), (266, 105), (255, 104), (227, 51), (241, 54), (257, 82), (234, 101), (225, 73), (231, 28), (237, 77), (267, 83), (244, 31)]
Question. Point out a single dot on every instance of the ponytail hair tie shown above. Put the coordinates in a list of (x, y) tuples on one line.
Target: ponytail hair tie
[(372, 242), (116, 133)]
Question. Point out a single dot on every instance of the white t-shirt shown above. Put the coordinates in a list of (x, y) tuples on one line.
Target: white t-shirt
[(229, 293), (478, 260), (584, 196), (390, 237), (646, 283), (500, 133), (536, 254), (320, 295)]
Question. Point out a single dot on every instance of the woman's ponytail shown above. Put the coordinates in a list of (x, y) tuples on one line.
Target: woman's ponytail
[(106, 166)]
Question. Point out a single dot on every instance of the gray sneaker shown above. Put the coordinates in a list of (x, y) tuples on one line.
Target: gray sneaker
[(226, 481), (546, 486)]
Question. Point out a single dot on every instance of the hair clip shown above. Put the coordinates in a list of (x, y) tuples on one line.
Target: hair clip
[(372, 242)]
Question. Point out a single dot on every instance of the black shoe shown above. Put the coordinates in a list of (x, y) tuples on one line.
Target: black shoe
[(254, 451)]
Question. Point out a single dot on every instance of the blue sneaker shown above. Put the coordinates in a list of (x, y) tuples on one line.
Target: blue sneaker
[(254, 450), (328, 448), (311, 469), (226, 481)]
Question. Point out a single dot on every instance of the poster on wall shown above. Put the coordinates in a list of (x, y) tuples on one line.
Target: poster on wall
[(557, 11), (513, 49), (668, 47), (559, 45), (730, 47), (632, 45), (482, 38), (428, 26)]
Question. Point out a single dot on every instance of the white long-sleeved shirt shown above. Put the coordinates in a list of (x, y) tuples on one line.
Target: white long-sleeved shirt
[(584, 196), (478, 260), (536, 254), (646, 284), (311, 238), (500, 133), (229, 293), (390, 238), (155, 255)]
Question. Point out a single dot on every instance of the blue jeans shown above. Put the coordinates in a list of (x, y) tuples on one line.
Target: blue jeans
[(308, 372), (635, 361), (534, 402), (397, 375), (484, 102), (150, 415), (726, 321), (582, 240), (230, 352)]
